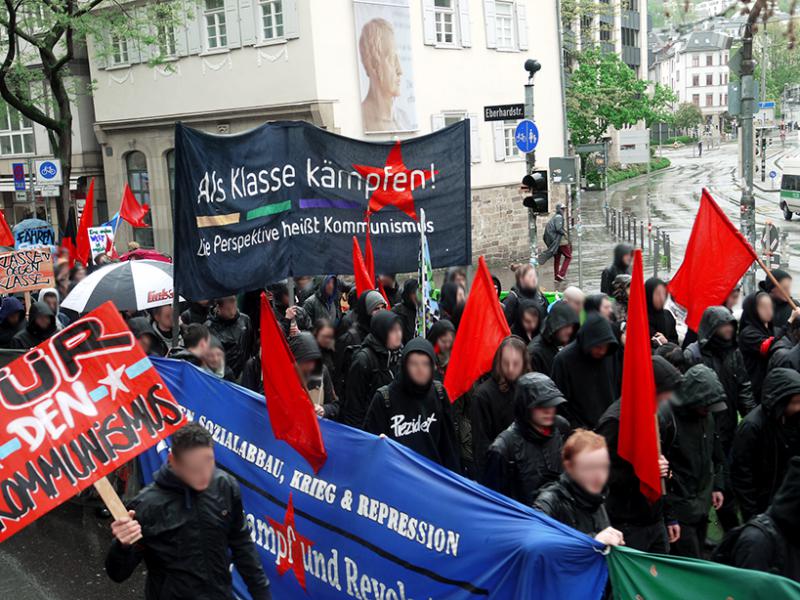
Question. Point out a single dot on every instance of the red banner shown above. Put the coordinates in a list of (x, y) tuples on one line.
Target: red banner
[(72, 410)]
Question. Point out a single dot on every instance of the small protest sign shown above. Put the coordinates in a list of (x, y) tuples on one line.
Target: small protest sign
[(26, 271), (72, 410), (98, 239), (34, 233)]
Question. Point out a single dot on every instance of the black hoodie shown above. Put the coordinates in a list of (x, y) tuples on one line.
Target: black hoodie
[(518, 328), (10, 305), (448, 301), (33, 335), (755, 340), (419, 417), (661, 320), (590, 385), (406, 309), (543, 348), (618, 267), (782, 309), (304, 347)]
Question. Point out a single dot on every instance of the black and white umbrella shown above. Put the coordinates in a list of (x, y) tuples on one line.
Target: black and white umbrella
[(130, 285)]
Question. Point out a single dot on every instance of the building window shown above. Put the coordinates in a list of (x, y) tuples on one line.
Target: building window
[(695, 60), (166, 40), (709, 79), (605, 33), (630, 5), (504, 23), (445, 18), (271, 19), (139, 182), (725, 59), (16, 132), (696, 99), (216, 30), (709, 60), (709, 99), (509, 133), (695, 80), (119, 50)]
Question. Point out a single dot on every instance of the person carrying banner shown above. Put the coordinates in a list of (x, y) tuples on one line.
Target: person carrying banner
[(188, 527), (558, 330), (414, 409), (40, 326), (234, 331), (324, 303), (621, 265), (527, 455), (406, 308), (779, 294)]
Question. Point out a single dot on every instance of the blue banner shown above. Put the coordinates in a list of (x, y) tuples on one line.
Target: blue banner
[(378, 520), (34, 233), (286, 199)]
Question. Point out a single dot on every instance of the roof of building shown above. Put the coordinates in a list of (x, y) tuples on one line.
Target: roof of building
[(702, 41)]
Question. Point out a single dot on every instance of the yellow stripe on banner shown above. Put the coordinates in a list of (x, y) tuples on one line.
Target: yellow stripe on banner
[(218, 220)]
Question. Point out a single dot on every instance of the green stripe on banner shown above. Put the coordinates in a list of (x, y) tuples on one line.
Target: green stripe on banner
[(269, 209), (637, 574)]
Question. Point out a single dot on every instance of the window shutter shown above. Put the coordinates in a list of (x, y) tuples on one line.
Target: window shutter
[(489, 12), (98, 46), (247, 19), (499, 142), (195, 23), (134, 52), (291, 29), (180, 38), (428, 23), (232, 23), (474, 138), (464, 22), (522, 26), (437, 122)]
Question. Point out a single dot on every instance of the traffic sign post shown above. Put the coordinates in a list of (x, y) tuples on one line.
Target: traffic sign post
[(773, 175), (48, 172), (18, 169), (526, 136)]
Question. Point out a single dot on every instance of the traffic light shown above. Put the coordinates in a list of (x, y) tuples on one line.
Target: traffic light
[(535, 190)]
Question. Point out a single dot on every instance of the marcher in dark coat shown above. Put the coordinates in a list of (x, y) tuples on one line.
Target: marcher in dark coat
[(324, 304), (234, 331), (785, 352), (600, 304), (314, 374), (528, 321), (41, 325), (406, 309), (391, 288), (771, 541), (588, 373), (368, 303), (662, 323), (452, 296), (756, 336), (441, 336), (765, 441), (558, 330), (12, 320), (623, 255), (374, 365), (196, 313), (527, 455), (641, 522), (323, 332), (414, 409), (691, 445), (782, 309), (493, 401), (527, 286)]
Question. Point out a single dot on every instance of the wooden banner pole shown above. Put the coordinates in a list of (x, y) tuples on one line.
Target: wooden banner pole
[(111, 499), (27, 296), (775, 283)]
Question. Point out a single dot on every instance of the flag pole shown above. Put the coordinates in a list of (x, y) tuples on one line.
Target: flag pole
[(775, 282)]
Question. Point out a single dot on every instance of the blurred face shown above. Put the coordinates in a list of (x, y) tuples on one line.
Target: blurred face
[(395, 338), (387, 281), (377, 308), (194, 467), (627, 258), (725, 331), (330, 287), (14, 318), (543, 417), (764, 308), (52, 302), (202, 347), (460, 279), (530, 321), (511, 363), (42, 322), (575, 301), (307, 368), (419, 368), (733, 298), (163, 317), (659, 297), (445, 342), (325, 338), (606, 309), (146, 342), (227, 308), (530, 280), (78, 275), (793, 408), (786, 285), (215, 358), (564, 335), (598, 351), (589, 469)]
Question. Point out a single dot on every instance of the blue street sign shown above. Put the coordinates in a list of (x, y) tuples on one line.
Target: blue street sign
[(526, 136), (768, 104), (48, 170), (18, 169), (772, 174)]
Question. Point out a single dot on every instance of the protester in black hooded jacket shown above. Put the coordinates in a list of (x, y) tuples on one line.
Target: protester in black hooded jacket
[(414, 409), (588, 373), (641, 522), (528, 320), (391, 288), (451, 297), (234, 331), (441, 336), (196, 313), (527, 455), (406, 309), (308, 357), (765, 441), (756, 336), (41, 325), (368, 303), (374, 365), (662, 323), (527, 286), (782, 309), (12, 320), (324, 303), (558, 330), (770, 542), (785, 352), (623, 255)]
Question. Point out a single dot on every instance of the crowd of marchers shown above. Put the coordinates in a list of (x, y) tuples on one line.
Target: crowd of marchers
[(542, 425)]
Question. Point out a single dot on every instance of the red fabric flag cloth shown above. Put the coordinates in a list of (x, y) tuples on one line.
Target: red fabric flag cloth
[(291, 412), (111, 252), (6, 237), (638, 435), (482, 328), (716, 258), (363, 281), (369, 257), (68, 243), (83, 251), (131, 211)]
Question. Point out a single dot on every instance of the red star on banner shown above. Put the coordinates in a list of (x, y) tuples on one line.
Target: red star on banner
[(395, 186), (294, 555)]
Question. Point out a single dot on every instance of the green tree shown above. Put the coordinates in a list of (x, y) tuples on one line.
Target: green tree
[(661, 102), (687, 116), (782, 64)]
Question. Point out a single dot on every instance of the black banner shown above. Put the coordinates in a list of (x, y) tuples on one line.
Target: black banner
[(286, 198)]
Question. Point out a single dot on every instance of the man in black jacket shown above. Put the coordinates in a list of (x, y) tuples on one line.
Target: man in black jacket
[(623, 255), (765, 441), (234, 331), (188, 526), (527, 455), (41, 325), (630, 511), (588, 373), (324, 303), (197, 341), (315, 375), (406, 309), (368, 304), (558, 330)]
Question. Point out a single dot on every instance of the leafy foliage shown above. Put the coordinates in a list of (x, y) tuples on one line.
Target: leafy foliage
[(687, 116)]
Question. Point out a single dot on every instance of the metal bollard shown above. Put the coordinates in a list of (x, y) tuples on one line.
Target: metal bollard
[(668, 251), (607, 211), (634, 232), (629, 228), (656, 254), (641, 234)]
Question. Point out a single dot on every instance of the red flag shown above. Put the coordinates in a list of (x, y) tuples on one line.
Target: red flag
[(131, 211), (638, 436), (717, 256), (111, 252), (6, 237), (369, 258), (83, 251), (363, 281), (291, 412), (482, 328)]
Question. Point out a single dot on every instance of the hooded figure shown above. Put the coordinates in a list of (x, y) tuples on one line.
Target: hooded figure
[(393, 291), (440, 328), (12, 320), (449, 301), (755, 340), (770, 542), (305, 348), (143, 331), (623, 255), (525, 457), (197, 312), (53, 299), (416, 414), (765, 441), (544, 348), (630, 511), (527, 310), (520, 291), (373, 366), (406, 309), (349, 341), (588, 373), (41, 325), (660, 319), (325, 305), (782, 309), (691, 445)]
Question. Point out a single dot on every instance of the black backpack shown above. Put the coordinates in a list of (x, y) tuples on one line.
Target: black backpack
[(723, 553)]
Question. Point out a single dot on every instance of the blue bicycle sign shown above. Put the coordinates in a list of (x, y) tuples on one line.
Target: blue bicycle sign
[(526, 136), (48, 172)]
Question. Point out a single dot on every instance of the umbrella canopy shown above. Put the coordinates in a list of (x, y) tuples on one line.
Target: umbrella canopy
[(130, 285)]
